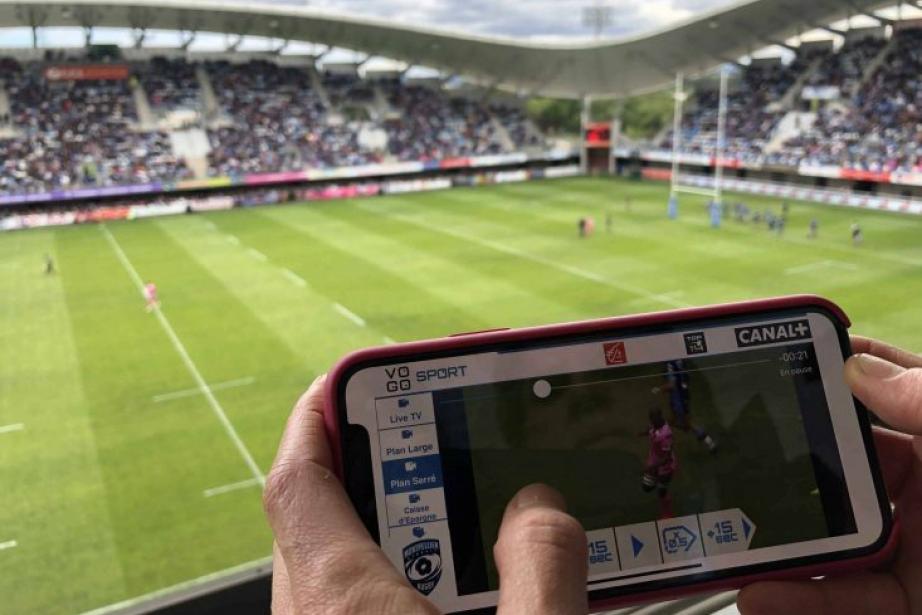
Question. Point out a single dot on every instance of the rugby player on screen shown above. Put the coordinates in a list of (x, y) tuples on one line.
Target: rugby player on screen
[(661, 462), (680, 402)]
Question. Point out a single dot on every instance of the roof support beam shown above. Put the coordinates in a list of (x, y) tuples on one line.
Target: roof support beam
[(235, 44), (34, 17), (138, 34), (830, 29), (278, 50), (188, 37), (771, 41)]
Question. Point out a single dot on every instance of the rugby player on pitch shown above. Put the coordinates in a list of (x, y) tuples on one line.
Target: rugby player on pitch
[(661, 462), (680, 402), (150, 296)]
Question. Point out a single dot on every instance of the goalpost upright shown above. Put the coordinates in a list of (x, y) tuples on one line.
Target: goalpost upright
[(716, 191)]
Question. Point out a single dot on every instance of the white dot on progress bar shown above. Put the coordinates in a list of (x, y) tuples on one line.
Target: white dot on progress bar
[(541, 388)]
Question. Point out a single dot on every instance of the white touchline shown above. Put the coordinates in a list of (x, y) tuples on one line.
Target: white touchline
[(349, 314), (228, 384), (187, 360), (9, 544), (576, 271), (257, 254), (13, 427), (389, 340), (233, 240), (294, 277), (243, 484)]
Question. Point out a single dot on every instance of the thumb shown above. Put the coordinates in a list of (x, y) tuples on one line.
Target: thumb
[(892, 392), (541, 556)]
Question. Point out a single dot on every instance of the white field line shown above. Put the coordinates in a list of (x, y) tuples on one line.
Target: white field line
[(257, 254), (358, 320), (232, 239), (187, 360), (294, 277), (12, 428), (389, 340), (9, 544), (671, 295), (820, 265), (575, 271), (243, 484), (242, 572), (228, 384)]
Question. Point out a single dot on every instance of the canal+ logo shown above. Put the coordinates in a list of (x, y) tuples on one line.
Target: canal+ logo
[(773, 333)]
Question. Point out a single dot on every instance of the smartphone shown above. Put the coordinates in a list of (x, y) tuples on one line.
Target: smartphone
[(700, 449)]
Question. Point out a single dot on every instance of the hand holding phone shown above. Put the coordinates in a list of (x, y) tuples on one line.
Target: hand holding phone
[(889, 382), (325, 562), (757, 462)]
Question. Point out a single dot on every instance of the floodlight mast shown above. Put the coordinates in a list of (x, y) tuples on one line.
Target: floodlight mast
[(598, 17), (679, 98), (721, 137)]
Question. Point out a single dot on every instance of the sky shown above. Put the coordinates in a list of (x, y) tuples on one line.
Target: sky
[(549, 20), (534, 20)]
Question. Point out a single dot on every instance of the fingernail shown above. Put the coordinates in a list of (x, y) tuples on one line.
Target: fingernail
[(539, 495), (875, 367)]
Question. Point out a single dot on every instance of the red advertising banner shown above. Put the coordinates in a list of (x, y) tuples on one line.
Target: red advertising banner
[(861, 175), (84, 72)]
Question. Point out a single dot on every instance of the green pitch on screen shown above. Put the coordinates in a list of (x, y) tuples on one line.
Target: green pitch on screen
[(120, 479)]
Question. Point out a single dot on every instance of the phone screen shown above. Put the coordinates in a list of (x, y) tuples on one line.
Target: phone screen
[(682, 452), (748, 433)]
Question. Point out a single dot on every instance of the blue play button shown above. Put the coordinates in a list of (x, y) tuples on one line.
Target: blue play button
[(636, 545), (746, 527)]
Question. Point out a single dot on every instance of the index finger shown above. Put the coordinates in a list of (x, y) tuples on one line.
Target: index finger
[(886, 351)]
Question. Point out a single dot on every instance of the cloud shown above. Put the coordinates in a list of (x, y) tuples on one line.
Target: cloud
[(537, 20), (533, 19)]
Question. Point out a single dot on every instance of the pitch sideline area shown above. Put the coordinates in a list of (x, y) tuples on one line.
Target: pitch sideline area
[(114, 494)]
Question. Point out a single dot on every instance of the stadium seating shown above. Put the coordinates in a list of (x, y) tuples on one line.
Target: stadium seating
[(170, 84), (77, 133), (266, 118), (872, 125)]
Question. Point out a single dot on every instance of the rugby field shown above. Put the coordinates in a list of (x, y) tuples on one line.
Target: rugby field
[(133, 444)]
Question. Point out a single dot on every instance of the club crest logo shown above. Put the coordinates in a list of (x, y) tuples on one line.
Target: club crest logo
[(422, 562)]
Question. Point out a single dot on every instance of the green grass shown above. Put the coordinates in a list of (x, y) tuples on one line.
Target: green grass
[(103, 488)]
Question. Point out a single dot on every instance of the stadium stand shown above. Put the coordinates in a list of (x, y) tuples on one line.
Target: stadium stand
[(868, 122), (77, 133), (170, 84), (270, 118)]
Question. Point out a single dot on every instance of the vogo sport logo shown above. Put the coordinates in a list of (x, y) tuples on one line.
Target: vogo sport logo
[(770, 334), (422, 562)]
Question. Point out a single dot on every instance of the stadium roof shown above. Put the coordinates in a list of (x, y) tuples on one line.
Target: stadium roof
[(616, 67)]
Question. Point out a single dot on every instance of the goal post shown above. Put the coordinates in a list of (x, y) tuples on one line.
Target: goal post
[(715, 193)]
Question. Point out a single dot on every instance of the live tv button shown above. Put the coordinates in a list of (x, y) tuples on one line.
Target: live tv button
[(404, 411)]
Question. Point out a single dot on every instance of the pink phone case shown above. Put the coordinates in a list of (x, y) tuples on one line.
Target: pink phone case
[(460, 341)]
